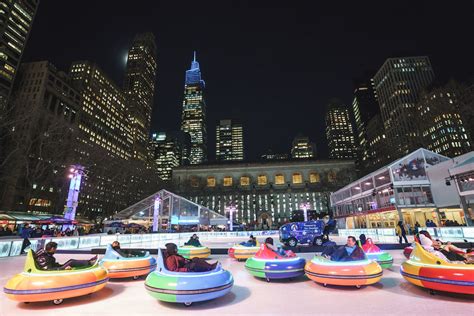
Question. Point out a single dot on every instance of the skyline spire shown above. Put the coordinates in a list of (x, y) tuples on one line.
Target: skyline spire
[(193, 75)]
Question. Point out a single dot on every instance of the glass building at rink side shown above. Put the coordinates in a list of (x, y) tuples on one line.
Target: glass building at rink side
[(415, 188), (263, 193), (167, 209)]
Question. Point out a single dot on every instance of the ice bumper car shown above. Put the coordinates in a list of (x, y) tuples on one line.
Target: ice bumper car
[(127, 267), (36, 285), (269, 265), (241, 252), (384, 259), (346, 273), (187, 287), (427, 270), (190, 252)]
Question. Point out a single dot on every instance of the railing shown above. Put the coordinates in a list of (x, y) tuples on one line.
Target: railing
[(451, 233), (377, 234), (12, 247)]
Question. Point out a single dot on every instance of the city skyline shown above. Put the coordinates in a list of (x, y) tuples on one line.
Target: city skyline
[(311, 57)]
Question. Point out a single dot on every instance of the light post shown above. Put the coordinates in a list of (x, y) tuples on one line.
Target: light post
[(231, 209), (156, 212), (76, 172), (305, 207)]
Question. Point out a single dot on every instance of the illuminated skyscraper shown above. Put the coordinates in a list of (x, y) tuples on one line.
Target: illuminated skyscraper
[(442, 127), (139, 89), (168, 151), (303, 148), (16, 19), (194, 113), (398, 84), (103, 119), (339, 131), (229, 141), (364, 107)]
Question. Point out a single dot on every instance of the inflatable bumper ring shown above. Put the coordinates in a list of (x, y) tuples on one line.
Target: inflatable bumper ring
[(268, 265), (187, 287), (426, 270), (347, 273), (127, 267), (384, 259), (36, 285), (241, 252), (190, 252)]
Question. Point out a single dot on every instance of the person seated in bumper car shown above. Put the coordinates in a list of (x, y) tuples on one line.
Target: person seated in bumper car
[(178, 263), (362, 240), (46, 261), (193, 241), (349, 252), (448, 249), (444, 253), (275, 249), (126, 253), (252, 242)]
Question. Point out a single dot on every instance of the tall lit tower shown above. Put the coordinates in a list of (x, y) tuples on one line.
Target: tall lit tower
[(194, 113), (229, 141), (398, 84), (139, 89), (16, 19), (339, 131), (364, 107)]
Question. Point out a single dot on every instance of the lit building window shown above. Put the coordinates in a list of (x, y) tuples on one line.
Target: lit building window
[(297, 178), (279, 179), (244, 181), (227, 181), (262, 180), (194, 182), (211, 181), (314, 177), (331, 176)]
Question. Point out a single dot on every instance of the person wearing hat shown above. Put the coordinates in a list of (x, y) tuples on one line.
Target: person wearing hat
[(177, 263)]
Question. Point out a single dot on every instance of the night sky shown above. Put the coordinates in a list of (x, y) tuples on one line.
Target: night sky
[(271, 64)]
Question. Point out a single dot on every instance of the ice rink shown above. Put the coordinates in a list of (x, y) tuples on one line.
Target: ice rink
[(251, 296)]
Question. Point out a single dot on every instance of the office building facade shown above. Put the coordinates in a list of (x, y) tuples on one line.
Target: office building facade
[(378, 149), (139, 90), (16, 20), (116, 177), (442, 128), (104, 119), (168, 151), (42, 139), (303, 148), (398, 84), (193, 119), (364, 107), (229, 141), (270, 155), (339, 131)]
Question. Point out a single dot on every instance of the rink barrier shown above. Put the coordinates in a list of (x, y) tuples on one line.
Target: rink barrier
[(457, 233), (12, 247), (377, 234)]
